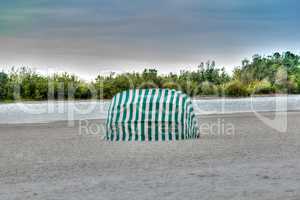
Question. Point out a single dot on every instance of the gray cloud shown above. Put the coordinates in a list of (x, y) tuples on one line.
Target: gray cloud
[(90, 36)]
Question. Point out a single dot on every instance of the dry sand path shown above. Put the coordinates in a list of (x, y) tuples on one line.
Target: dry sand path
[(52, 161)]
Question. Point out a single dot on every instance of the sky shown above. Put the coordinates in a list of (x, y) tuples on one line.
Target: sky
[(90, 37)]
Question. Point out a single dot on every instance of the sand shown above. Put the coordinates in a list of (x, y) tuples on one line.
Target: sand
[(53, 161)]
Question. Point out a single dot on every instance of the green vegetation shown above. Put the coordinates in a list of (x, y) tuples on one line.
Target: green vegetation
[(236, 88), (279, 73)]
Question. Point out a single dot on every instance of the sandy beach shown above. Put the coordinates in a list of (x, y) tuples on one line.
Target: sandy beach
[(54, 161)]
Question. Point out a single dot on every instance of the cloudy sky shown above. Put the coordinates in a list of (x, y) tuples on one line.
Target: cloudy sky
[(88, 37)]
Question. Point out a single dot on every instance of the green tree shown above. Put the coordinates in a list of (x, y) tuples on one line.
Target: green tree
[(3, 85)]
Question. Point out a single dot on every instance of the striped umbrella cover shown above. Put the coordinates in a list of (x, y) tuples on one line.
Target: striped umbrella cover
[(151, 115)]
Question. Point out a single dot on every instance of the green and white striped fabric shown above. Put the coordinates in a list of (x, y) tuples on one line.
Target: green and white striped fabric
[(151, 115)]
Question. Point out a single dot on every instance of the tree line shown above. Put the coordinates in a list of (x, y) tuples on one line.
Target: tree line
[(277, 73)]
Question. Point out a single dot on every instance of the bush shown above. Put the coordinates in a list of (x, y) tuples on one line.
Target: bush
[(191, 88), (292, 87), (287, 86), (236, 88), (298, 86), (208, 88), (171, 85), (83, 91), (3, 85), (148, 85), (261, 87)]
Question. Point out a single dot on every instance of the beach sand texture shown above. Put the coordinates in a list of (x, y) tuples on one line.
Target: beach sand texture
[(52, 161)]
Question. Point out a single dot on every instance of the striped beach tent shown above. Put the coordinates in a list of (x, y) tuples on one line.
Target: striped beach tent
[(151, 115)]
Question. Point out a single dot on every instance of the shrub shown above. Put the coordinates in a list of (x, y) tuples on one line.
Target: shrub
[(287, 86), (147, 85), (236, 88), (261, 87), (171, 85), (83, 91), (208, 88), (292, 87), (3, 85), (191, 88)]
